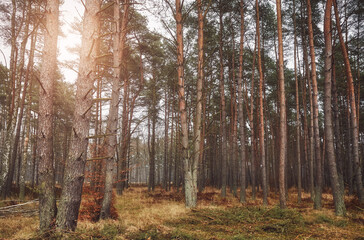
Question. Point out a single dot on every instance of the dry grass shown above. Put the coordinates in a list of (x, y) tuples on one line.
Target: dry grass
[(18, 227), (140, 209), (162, 215)]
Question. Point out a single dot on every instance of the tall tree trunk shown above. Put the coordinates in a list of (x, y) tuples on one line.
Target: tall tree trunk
[(21, 100), (261, 112), (27, 134), (111, 129), (223, 108), (121, 174), (240, 107), (190, 168), (110, 141), (252, 126), (200, 71), (338, 138), (47, 197), (152, 115), (282, 112), (165, 152), (318, 187), (305, 125), (354, 122), (298, 144), (349, 151), (5, 154), (329, 136), (75, 164), (311, 141)]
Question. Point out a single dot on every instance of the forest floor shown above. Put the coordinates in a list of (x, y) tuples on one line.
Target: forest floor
[(162, 215)]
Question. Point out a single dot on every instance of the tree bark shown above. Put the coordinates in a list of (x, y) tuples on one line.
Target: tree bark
[(200, 71), (282, 113), (223, 108), (261, 112), (75, 164), (47, 197), (190, 169), (329, 136), (318, 187), (121, 32), (27, 134), (240, 108), (354, 122), (165, 152), (298, 145), (110, 143)]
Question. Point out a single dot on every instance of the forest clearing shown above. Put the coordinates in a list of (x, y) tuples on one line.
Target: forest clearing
[(162, 215)]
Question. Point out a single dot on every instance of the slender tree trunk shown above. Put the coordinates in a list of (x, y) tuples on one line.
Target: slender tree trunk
[(110, 142), (305, 125), (27, 134), (223, 108), (252, 126), (298, 144), (75, 164), (165, 153), (19, 116), (190, 168), (13, 60), (121, 184), (329, 136), (338, 140), (261, 113), (5, 154), (200, 71), (171, 144), (240, 107), (354, 122), (318, 187), (311, 147), (349, 151), (121, 174), (282, 113), (47, 197), (152, 115)]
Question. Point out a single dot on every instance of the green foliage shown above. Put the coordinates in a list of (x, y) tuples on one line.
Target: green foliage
[(4, 86), (241, 223), (324, 219)]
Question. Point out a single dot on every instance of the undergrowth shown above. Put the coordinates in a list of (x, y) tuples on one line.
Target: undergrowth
[(162, 215)]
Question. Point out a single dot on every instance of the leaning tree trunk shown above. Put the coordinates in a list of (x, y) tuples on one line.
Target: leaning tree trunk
[(329, 136), (47, 197), (27, 131), (75, 164), (354, 122), (18, 114)]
